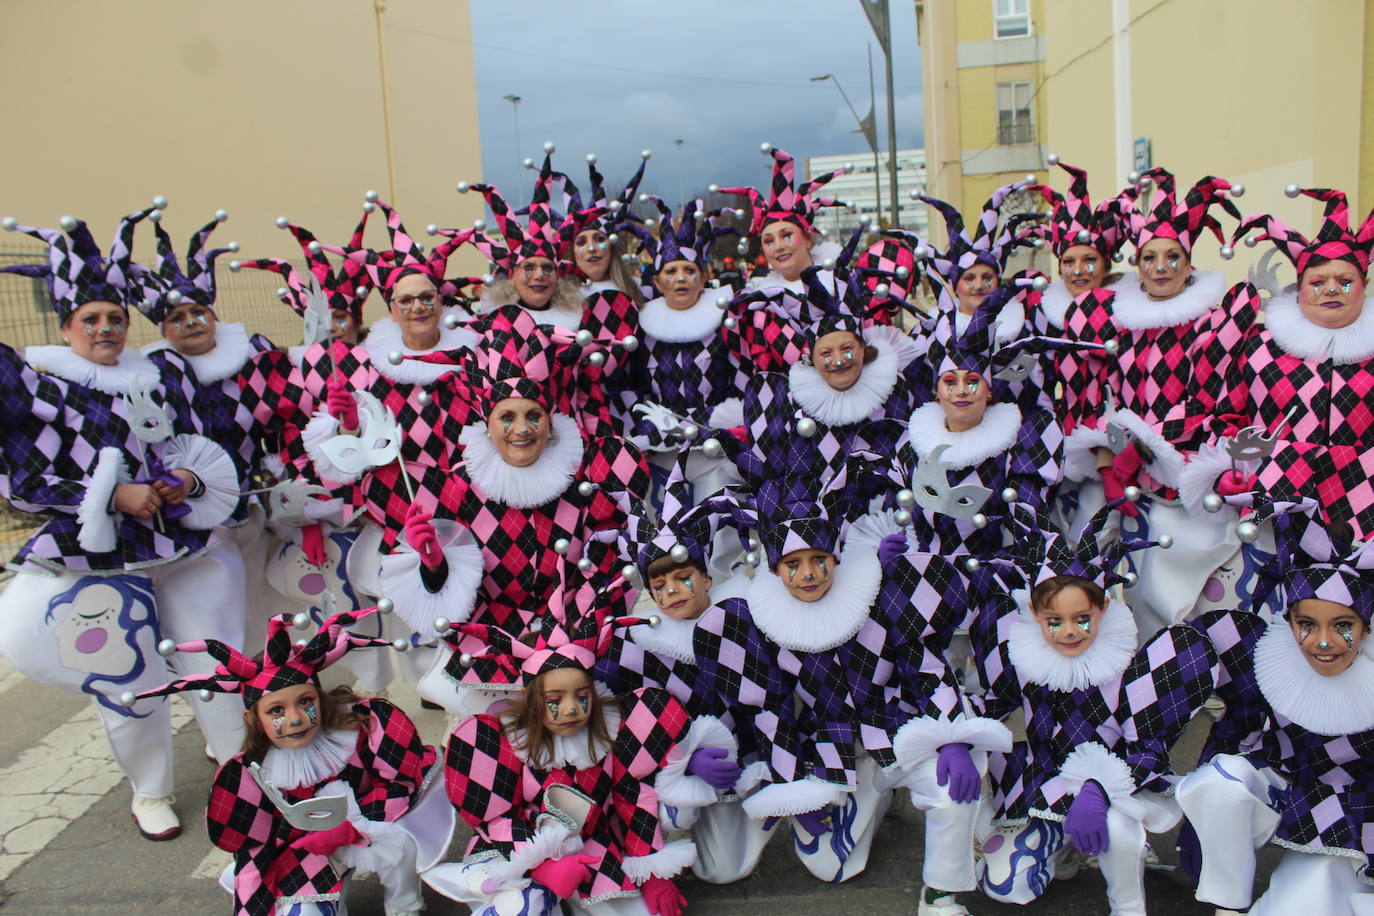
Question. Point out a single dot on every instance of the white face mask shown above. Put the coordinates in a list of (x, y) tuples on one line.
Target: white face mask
[(378, 441)]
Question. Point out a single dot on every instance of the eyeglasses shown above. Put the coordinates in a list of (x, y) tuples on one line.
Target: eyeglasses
[(544, 270), (406, 303)]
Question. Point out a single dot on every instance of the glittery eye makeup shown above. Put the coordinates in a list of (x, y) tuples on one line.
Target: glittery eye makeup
[(1085, 624), (1346, 631), (1304, 631), (1053, 626), (554, 707), (585, 702), (312, 712), (1346, 286)]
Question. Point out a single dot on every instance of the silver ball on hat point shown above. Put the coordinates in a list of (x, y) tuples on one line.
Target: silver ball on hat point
[(1247, 532), (713, 188), (585, 565), (385, 606), (902, 517), (1029, 179), (1166, 541), (235, 266), (549, 146), (972, 564), (1132, 177), (167, 648), (591, 158), (1039, 283), (1132, 493), (432, 229), (67, 223), (1112, 346), (902, 273), (528, 162), (127, 698), (488, 279), (828, 264), (370, 197), (914, 195), (1083, 237), (400, 645), (561, 546), (206, 695), (597, 359), (742, 248), (582, 337), (1052, 158), (906, 499), (301, 620), (653, 620), (9, 223), (369, 207), (1251, 241), (690, 432), (452, 321), (479, 224), (651, 222), (645, 153), (221, 215), (751, 558), (1237, 190), (463, 187), (424, 398), (233, 246), (160, 202), (712, 449), (1009, 494), (979, 520), (754, 544), (283, 222), (1038, 244), (1292, 190), (1227, 252), (1130, 578), (722, 302), (466, 659), (806, 427), (314, 247), (1213, 502), (586, 488), (395, 357), (282, 290), (629, 571), (679, 553), (866, 220), (765, 148), (730, 322), (174, 297), (630, 343), (920, 252), (442, 624), (882, 290)]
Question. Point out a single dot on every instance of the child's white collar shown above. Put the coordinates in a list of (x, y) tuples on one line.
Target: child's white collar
[(841, 408), (576, 751), (682, 325), (1037, 662), (820, 625), (1135, 311), (1299, 336), (994, 435), (524, 488), (384, 337), (319, 761), (1339, 705), (66, 363), (232, 349), (671, 637)]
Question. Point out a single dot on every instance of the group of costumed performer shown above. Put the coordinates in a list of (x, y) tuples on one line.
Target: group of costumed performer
[(945, 505)]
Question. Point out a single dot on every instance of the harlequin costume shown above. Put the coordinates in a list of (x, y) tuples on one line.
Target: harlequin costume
[(1138, 384), (788, 202), (1108, 716), (729, 842), (524, 520), (1290, 761), (397, 824), (522, 814), (97, 589), (600, 211)]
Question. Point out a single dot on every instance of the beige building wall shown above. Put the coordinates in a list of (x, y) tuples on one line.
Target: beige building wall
[(262, 107), (1261, 92)]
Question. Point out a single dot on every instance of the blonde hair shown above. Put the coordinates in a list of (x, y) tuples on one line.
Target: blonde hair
[(566, 296), (527, 715)]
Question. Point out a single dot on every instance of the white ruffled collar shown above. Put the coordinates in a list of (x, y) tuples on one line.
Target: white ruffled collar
[(567, 319), (774, 280), (232, 349), (384, 336), (577, 751), (319, 761), (1338, 705), (821, 625), (523, 488), (1135, 311), (926, 429), (841, 408), (64, 362), (1037, 662), (1010, 321), (682, 325), (1300, 337), (672, 637)]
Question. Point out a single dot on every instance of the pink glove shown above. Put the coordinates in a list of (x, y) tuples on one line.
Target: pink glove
[(662, 897), (338, 400), (1233, 483), (326, 842), (312, 545), (1120, 474), (563, 875), (420, 535)]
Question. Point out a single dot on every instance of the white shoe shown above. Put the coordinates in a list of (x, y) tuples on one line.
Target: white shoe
[(1068, 861), (944, 905), (391, 911), (155, 818)]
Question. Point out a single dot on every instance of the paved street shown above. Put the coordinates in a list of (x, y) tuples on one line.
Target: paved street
[(69, 847)]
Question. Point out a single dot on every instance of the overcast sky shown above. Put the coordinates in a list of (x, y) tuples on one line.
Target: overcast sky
[(616, 76)]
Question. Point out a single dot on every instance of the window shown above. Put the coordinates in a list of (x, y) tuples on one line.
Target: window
[(1014, 123), (1011, 18)]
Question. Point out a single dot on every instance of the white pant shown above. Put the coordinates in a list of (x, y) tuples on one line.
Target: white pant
[(1227, 800), (99, 635), (948, 860), (842, 852), (1019, 861), (729, 843)]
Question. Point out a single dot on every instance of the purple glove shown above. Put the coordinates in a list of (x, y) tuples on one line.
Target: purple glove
[(157, 472), (891, 547), (711, 765), (1087, 820), (954, 768), (816, 823)]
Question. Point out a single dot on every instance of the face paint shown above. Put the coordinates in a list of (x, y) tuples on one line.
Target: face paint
[(553, 708), (1054, 628), (279, 724), (1085, 625), (1092, 267), (822, 563), (585, 703), (1346, 631), (507, 421), (1346, 286), (536, 422), (313, 712), (1304, 631)]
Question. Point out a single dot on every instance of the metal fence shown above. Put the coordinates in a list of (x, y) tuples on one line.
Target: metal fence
[(26, 319)]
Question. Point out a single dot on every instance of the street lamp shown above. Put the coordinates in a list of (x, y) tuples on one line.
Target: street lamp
[(515, 101), (680, 202), (870, 134)]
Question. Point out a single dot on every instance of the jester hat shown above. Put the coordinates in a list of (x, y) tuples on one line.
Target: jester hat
[(786, 203), (987, 245), (406, 256), (168, 286), (1169, 218), (1335, 239), (284, 663), (1073, 219), (600, 210), (76, 271), (538, 237), (688, 239)]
